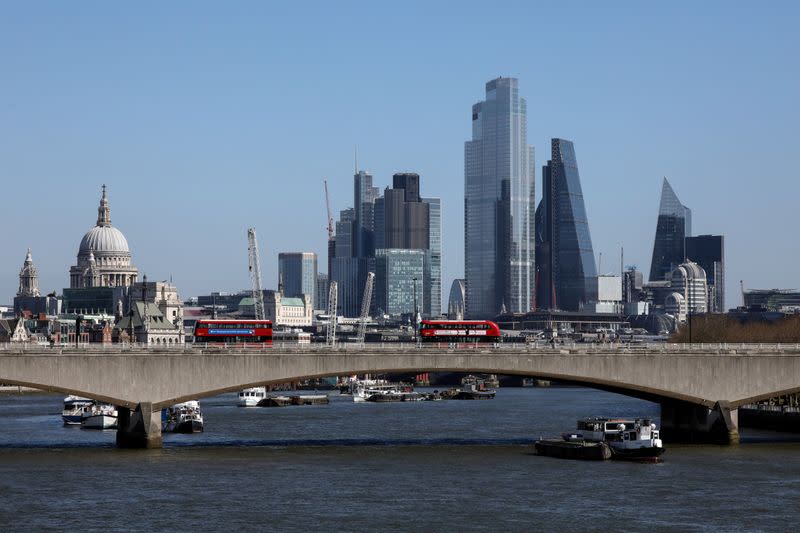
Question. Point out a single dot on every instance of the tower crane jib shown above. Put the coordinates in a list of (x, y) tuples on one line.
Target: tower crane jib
[(254, 265)]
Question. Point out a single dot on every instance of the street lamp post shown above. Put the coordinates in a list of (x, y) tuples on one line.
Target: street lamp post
[(415, 309)]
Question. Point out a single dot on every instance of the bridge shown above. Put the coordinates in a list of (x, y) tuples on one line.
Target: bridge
[(699, 387)]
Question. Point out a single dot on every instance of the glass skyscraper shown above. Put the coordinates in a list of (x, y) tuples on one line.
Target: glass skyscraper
[(499, 198), (433, 260), (673, 226), (399, 275), (364, 195), (297, 271), (566, 271)]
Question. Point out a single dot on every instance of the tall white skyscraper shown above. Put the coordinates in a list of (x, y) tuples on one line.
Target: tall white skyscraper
[(499, 205)]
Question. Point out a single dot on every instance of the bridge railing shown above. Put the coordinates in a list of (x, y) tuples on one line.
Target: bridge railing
[(395, 347)]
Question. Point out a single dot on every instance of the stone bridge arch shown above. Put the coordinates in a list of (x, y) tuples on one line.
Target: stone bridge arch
[(699, 390)]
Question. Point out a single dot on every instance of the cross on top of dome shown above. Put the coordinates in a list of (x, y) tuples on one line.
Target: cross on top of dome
[(104, 212)]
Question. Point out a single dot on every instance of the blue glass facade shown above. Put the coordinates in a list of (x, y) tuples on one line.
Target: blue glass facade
[(498, 209), (673, 226), (565, 265), (395, 285)]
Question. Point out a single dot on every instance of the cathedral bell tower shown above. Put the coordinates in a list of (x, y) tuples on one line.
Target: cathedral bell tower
[(28, 278)]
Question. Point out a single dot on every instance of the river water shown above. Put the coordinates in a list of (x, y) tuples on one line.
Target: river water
[(420, 466)]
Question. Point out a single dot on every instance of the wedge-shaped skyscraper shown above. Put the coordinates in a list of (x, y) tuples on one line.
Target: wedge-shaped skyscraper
[(566, 272), (673, 226)]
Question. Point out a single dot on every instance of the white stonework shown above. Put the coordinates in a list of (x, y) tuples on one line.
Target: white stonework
[(104, 259)]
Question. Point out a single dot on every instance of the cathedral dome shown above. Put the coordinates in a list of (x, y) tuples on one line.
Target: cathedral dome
[(104, 240), (104, 258)]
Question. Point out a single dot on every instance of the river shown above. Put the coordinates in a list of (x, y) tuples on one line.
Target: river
[(420, 466)]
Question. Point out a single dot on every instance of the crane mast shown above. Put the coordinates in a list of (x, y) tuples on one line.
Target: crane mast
[(330, 334), (255, 273), (362, 320), (330, 217)]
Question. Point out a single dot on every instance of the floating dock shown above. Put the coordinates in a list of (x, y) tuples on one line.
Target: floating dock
[(283, 401), (587, 451)]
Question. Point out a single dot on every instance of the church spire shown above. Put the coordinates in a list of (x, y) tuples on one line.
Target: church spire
[(28, 278), (103, 212)]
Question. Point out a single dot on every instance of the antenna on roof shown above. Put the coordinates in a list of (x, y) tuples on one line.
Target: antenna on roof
[(355, 157)]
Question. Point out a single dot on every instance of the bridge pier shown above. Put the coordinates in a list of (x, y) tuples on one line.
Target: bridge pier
[(140, 428), (685, 422)]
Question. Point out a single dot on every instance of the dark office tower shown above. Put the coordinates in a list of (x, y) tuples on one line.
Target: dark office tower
[(364, 195), (409, 182), (380, 223), (673, 226), (708, 251), (406, 218), (566, 271), (499, 204)]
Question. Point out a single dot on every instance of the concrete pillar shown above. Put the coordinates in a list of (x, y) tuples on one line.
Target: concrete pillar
[(140, 428), (683, 422)]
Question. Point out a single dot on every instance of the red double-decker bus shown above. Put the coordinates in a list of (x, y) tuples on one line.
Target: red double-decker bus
[(459, 331), (249, 332)]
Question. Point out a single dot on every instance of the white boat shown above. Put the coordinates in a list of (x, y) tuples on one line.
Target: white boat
[(380, 391), (183, 417), (250, 397), (628, 438), (99, 416), (73, 409)]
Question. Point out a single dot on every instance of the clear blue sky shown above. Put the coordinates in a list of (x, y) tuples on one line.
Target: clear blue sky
[(205, 118)]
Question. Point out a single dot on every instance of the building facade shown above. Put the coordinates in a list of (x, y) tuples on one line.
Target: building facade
[(321, 301), (772, 299), (297, 273), (364, 195), (287, 311), (689, 291), (161, 294), (565, 267), (399, 281), (345, 265), (433, 259), (708, 251), (499, 204), (673, 226)]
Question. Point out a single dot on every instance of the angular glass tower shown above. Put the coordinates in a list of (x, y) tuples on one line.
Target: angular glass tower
[(566, 274), (673, 226), (499, 241)]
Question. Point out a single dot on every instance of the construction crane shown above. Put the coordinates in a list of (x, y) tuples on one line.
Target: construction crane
[(330, 217), (362, 320), (330, 334), (255, 273)]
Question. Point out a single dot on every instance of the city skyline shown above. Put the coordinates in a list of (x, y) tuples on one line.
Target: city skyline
[(189, 170)]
